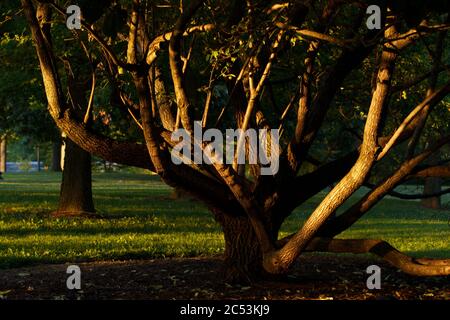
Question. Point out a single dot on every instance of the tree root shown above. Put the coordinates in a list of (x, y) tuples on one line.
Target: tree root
[(409, 265)]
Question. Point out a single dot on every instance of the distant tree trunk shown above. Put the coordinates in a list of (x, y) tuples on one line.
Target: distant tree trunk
[(3, 155), (431, 186), (38, 158), (56, 156), (76, 187)]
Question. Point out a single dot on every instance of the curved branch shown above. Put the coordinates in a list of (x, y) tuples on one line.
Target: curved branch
[(405, 196), (416, 267), (317, 35), (155, 45), (436, 171), (176, 64), (431, 100)]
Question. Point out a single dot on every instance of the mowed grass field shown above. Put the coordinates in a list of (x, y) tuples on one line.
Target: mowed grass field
[(140, 219)]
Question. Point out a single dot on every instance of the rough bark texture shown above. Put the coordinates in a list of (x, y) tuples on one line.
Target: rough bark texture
[(76, 190), (243, 256)]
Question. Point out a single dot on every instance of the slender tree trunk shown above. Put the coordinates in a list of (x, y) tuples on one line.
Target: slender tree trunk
[(76, 187), (2, 155), (38, 158), (56, 156)]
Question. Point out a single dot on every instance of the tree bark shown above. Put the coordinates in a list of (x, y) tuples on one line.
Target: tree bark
[(243, 255), (76, 187), (2, 155)]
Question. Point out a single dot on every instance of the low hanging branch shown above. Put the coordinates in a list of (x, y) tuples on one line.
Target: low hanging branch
[(415, 267)]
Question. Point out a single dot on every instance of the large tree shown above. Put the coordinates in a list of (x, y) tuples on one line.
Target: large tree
[(341, 82), (23, 113)]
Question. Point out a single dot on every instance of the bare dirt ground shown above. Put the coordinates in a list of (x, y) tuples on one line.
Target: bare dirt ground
[(314, 277)]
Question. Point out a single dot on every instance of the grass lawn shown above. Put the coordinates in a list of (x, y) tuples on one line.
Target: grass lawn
[(142, 221)]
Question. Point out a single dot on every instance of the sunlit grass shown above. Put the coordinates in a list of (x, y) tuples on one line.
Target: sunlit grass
[(141, 220)]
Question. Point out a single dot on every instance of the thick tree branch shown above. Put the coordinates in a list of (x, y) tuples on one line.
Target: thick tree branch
[(416, 267), (279, 261)]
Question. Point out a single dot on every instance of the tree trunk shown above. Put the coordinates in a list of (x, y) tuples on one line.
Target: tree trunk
[(243, 257), (56, 156), (38, 158), (76, 187), (432, 185), (2, 155)]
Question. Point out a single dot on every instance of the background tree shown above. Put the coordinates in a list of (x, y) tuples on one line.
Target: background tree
[(24, 115)]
